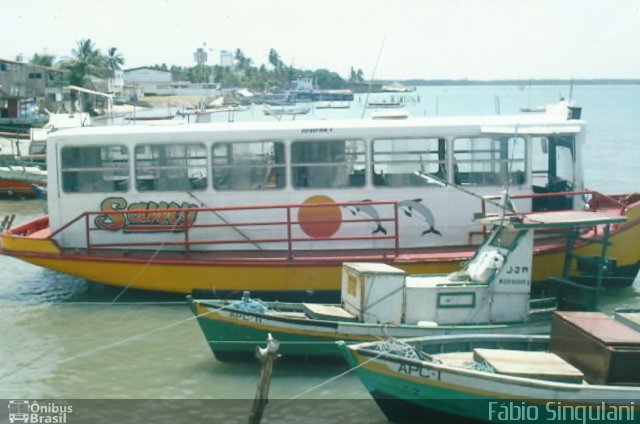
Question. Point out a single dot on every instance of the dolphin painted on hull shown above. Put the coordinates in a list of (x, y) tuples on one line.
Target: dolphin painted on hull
[(371, 212), (411, 206)]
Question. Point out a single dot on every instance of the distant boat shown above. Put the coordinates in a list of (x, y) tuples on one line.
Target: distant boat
[(396, 87), (18, 180), (286, 110), (333, 105), (385, 104), (29, 149)]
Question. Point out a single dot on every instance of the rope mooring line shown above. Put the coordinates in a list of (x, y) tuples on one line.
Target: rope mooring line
[(329, 380)]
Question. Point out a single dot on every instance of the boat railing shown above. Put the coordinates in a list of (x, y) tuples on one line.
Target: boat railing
[(182, 220), (598, 200)]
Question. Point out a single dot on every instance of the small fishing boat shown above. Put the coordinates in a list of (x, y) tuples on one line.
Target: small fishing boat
[(491, 294), (385, 104), (333, 105), (286, 110), (397, 87), (18, 179), (585, 371)]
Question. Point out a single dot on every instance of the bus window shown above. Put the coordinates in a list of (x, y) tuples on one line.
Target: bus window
[(91, 169), (398, 162), (248, 165), (171, 167), (489, 161), (328, 163)]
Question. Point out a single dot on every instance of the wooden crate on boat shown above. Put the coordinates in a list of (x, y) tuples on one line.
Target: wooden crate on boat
[(520, 363), (605, 350), (373, 292)]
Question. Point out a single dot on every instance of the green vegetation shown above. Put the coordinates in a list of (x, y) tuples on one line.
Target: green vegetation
[(87, 62), (43, 59), (244, 73)]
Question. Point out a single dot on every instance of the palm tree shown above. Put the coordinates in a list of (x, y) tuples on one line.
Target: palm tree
[(356, 76), (86, 62), (274, 59), (242, 61), (115, 59), (43, 59)]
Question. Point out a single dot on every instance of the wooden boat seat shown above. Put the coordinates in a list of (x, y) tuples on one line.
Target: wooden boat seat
[(539, 365), (327, 312)]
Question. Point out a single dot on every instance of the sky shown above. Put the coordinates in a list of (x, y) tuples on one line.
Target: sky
[(399, 39)]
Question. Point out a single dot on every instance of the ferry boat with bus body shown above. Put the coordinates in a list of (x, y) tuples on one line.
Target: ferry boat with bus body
[(277, 207)]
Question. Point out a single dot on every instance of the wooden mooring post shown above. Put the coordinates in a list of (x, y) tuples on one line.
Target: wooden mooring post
[(267, 357)]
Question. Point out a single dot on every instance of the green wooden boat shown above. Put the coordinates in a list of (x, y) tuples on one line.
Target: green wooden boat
[(502, 378), (491, 294)]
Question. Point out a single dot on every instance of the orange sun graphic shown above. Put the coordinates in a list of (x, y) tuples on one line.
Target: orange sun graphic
[(319, 221)]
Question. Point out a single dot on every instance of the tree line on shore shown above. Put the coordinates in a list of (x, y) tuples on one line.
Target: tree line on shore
[(87, 61)]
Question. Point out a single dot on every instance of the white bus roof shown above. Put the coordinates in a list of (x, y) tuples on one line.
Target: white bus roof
[(534, 124)]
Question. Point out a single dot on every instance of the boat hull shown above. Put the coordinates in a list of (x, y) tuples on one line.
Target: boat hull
[(278, 279), (233, 333), (16, 188), (307, 275)]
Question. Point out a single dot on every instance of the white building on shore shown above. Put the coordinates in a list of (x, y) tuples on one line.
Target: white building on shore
[(148, 81)]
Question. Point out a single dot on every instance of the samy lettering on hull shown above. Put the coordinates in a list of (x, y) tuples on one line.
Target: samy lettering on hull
[(144, 216)]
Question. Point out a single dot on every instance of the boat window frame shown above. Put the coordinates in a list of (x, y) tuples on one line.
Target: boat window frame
[(116, 183), (194, 181), (505, 175), (381, 180), (328, 172), (274, 173)]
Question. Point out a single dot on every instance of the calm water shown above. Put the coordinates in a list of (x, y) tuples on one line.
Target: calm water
[(61, 337)]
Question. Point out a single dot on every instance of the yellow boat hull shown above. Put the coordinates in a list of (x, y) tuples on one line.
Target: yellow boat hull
[(184, 274)]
